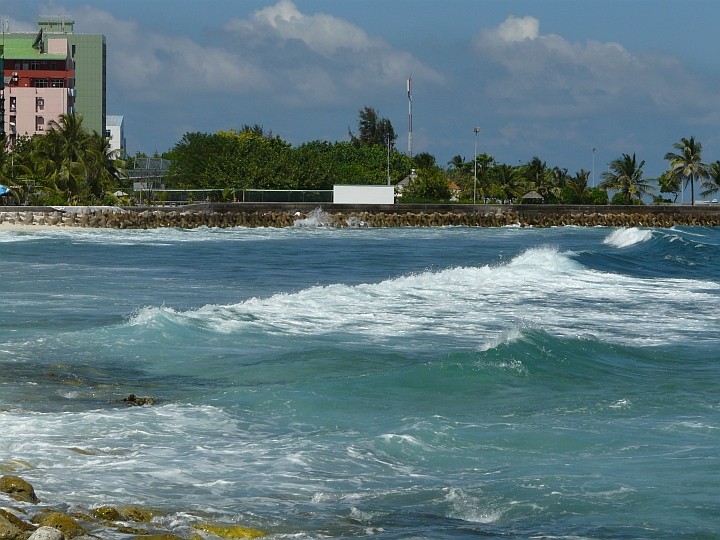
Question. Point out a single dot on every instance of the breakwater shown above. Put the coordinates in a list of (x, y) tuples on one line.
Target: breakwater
[(287, 215)]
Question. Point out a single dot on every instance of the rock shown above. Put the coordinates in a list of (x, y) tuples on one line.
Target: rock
[(160, 536), (57, 520), (47, 533), (18, 489), (139, 401), (8, 531), (136, 513), (230, 531), (19, 523), (107, 513)]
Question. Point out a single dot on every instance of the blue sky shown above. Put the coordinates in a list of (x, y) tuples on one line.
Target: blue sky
[(546, 78)]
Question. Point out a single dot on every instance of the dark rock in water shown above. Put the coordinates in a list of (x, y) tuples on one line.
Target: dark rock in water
[(139, 401), (18, 489), (19, 523), (7, 529), (160, 536), (57, 520), (108, 513)]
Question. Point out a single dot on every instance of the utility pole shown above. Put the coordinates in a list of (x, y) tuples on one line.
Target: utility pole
[(410, 134), (476, 130)]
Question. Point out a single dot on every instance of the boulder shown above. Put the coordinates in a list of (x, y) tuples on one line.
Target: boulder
[(8, 531), (47, 533), (57, 520), (133, 400), (229, 531), (18, 489), (19, 523)]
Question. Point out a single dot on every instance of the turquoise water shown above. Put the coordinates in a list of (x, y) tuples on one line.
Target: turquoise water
[(389, 383)]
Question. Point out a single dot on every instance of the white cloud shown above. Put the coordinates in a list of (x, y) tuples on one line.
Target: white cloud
[(159, 66), (323, 34), (546, 76), (515, 29), (346, 60)]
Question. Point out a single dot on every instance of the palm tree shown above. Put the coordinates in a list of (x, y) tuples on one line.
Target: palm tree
[(687, 162), (576, 188), (552, 183), (625, 177), (66, 138), (103, 168), (712, 185), (508, 181)]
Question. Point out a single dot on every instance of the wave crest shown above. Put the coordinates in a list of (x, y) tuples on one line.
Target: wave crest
[(627, 236)]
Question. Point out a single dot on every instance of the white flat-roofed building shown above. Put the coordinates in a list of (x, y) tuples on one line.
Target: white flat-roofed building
[(115, 131)]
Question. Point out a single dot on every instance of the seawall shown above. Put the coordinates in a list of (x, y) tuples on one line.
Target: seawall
[(312, 214)]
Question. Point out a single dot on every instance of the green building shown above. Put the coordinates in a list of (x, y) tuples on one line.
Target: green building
[(88, 52)]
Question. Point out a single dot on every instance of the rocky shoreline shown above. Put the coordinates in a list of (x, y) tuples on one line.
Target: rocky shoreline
[(229, 215), (27, 519)]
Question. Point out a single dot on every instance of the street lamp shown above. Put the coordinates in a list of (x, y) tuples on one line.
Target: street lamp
[(476, 130), (593, 169)]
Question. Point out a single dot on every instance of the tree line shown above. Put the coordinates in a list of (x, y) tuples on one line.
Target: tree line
[(69, 165), (65, 165)]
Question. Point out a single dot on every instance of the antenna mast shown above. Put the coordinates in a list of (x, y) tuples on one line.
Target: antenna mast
[(409, 93), (2, 85)]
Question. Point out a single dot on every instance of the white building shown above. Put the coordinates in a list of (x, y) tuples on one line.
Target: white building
[(115, 130)]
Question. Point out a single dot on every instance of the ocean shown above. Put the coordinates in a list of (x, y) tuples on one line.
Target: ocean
[(315, 382)]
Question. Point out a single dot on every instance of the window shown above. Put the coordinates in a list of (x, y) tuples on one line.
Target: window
[(34, 64), (57, 83), (40, 83), (39, 123), (13, 104)]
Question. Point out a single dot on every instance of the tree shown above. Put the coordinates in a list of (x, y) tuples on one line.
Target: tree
[(669, 182), (625, 177), (712, 184), (424, 160), (373, 130), (458, 163), (507, 183), (431, 185), (687, 162), (68, 163)]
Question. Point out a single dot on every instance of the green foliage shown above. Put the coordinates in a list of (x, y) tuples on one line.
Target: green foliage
[(687, 163), (506, 183), (239, 159), (246, 160), (712, 185), (431, 185), (373, 130), (670, 182), (66, 165), (625, 176)]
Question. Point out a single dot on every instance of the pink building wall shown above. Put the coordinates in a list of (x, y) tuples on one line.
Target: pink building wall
[(30, 109)]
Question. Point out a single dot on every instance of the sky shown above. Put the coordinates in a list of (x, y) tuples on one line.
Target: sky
[(576, 83)]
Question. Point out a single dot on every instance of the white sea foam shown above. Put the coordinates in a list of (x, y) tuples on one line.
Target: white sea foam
[(316, 218), (541, 288), (470, 508), (626, 237)]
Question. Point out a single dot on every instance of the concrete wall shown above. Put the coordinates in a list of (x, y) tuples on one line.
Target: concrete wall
[(343, 194)]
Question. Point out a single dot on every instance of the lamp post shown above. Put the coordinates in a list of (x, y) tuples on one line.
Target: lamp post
[(388, 159), (593, 168), (476, 130)]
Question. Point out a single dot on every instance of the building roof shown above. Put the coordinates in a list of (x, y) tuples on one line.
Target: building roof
[(20, 48), (114, 120)]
